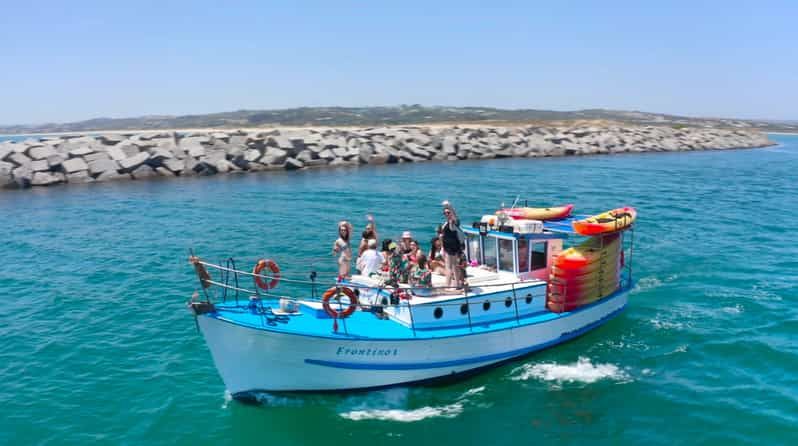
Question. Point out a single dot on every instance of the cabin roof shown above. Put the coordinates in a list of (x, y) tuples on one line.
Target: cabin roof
[(563, 226), (551, 229)]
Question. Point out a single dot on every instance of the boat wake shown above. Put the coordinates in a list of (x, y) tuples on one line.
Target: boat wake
[(582, 371), (377, 410)]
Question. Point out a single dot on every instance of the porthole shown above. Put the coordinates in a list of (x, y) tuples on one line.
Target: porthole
[(486, 305), (528, 298), (464, 309), (508, 302), (384, 301), (438, 313)]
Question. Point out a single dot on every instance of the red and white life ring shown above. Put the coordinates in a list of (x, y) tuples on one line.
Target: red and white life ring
[(337, 292), (260, 266)]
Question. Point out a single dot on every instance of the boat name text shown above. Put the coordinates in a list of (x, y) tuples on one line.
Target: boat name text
[(346, 351)]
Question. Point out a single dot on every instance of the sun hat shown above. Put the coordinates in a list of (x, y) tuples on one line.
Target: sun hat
[(407, 234)]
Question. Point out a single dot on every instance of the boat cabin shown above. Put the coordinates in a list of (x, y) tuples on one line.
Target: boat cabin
[(525, 255)]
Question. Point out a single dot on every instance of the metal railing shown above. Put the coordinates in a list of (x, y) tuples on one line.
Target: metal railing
[(229, 280)]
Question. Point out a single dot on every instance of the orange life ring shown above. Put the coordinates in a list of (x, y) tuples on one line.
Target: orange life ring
[(268, 263), (337, 292)]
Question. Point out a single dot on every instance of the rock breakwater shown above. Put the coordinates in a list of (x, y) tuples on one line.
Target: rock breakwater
[(87, 158)]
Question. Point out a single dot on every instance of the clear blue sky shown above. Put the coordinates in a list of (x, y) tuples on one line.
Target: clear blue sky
[(73, 60)]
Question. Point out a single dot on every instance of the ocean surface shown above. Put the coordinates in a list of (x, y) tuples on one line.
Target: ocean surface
[(96, 344)]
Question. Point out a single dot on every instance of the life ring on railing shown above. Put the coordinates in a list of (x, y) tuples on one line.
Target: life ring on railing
[(337, 292), (260, 266)]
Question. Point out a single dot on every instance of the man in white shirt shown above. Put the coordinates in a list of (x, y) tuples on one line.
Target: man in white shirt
[(371, 260)]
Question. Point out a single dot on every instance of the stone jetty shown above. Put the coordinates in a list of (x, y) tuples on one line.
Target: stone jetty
[(54, 160)]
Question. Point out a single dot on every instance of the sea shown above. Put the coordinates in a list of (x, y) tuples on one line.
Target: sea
[(97, 346)]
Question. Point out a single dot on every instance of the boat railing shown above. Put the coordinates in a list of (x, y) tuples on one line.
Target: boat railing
[(228, 287)]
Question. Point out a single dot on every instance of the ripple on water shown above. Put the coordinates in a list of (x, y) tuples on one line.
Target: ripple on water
[(395, 407), (583, 371)]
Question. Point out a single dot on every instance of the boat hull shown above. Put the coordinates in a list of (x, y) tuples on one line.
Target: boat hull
[(252, 359)]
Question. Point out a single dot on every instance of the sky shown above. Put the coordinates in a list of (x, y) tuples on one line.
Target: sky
[(65, 61)]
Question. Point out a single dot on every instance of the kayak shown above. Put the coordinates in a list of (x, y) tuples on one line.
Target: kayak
[(610, 221), (583, 295), (581, 257), (605, 272), (553, 213), (570, 304)]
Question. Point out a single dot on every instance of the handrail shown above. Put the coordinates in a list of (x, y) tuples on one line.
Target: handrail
[(350, 285)]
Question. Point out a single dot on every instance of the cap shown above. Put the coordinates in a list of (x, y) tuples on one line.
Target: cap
[(407, 234), (372, 243), (392, 246)]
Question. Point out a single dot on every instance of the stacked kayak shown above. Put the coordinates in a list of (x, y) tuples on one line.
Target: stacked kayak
[(606, 222), (585, 273), (553, 213)]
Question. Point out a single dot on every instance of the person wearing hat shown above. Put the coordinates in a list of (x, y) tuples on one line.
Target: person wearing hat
[(404, 243), (371, 260), (343, 248)]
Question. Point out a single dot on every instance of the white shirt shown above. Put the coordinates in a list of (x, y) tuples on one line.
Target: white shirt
[(369, 262)]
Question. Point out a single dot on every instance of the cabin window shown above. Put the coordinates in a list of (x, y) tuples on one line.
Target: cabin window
[(523, 255), (539, 255), (506, 260), (472, 245), (490, 252), (438, 313)]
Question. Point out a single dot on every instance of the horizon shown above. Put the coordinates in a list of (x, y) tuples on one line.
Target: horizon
[(97, 118), (90, 60)]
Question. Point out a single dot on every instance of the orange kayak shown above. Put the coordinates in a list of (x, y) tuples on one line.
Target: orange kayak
[(610, 221), (553, 213)]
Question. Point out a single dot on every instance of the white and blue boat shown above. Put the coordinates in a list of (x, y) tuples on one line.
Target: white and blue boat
[(263, 342)]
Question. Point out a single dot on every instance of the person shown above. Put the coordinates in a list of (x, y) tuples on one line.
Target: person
[(343, 248), (453, 243), (386, 252), (397, 266), (370, 261), (404, 242), (370, 233), (415, 251), (435, 256), (422, 277)]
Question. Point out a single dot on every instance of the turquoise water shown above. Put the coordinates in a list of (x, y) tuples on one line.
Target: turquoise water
[(98, 346)]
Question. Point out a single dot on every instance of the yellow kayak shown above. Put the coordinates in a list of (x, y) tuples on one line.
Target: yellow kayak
[(589, 252), (610, 221), (553, 213)]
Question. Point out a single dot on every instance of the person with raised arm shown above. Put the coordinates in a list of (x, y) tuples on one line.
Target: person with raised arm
[(370, 233)]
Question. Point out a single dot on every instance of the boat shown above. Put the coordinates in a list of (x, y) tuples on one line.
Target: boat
[(362, 333), (606, 222), (527, 213)]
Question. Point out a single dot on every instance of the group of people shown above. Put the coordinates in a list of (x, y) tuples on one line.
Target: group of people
[(405, 262)]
